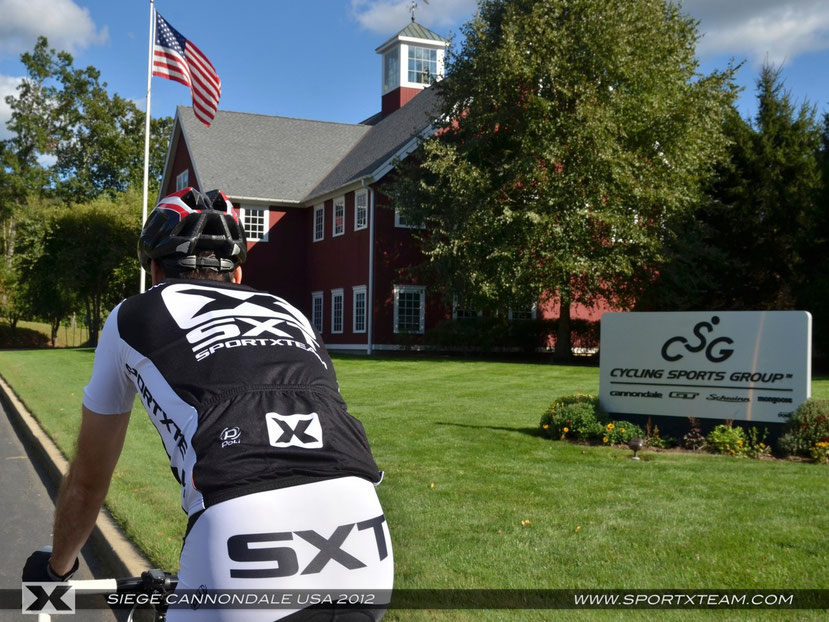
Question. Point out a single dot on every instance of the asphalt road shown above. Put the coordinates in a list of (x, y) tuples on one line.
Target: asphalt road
[(27, 508)]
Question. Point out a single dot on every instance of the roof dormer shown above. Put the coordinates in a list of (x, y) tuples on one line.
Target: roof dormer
[(411, 60)]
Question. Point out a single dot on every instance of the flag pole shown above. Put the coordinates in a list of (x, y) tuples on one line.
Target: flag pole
[(147, 128)]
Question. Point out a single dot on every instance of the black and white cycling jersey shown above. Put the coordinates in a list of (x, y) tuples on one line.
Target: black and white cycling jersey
[(238, 384)]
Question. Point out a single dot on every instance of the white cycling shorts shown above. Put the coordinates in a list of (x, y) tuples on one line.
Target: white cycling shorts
[(324, 544)]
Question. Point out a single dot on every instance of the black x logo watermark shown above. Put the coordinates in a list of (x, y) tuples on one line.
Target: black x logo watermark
[(48, 601)]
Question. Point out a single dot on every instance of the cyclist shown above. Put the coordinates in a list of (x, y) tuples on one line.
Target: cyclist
[(276, 477)]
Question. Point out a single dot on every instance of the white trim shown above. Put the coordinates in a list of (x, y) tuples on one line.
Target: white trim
[(319, 208), (533, 314), (360, 193), (346, 346), (403, 289), (264, 201), (341, 201), (355, 291), (266, 225), (334, 293), (318, 295), (181, 185)]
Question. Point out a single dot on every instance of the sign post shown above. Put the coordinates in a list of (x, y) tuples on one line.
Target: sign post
[(742, 365)]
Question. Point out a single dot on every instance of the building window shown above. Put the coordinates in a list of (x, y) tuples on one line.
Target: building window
[(462, 312), (409, 308), (319, 222), (336, 311), (391, 70), (423, 65), (360, 209), (402, 222), (360, 309), (339, 216), (316, 310), (183, 179), (523, 313), (255, 222)]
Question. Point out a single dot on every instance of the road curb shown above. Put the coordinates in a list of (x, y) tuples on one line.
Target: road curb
[(108, 539)]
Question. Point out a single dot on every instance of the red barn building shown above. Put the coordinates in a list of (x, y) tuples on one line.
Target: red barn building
[(321, 233)]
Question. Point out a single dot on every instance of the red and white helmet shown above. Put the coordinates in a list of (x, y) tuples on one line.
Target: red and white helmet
[(187, 222)]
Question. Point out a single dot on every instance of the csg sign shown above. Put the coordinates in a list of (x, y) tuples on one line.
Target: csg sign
[(746, 365)]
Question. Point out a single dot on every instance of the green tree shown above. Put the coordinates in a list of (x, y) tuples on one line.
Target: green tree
[(96, 139), (569, 133), (757, 239), (41, 284)]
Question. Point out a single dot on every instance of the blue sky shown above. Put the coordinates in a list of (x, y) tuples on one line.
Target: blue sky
[(315, 59)]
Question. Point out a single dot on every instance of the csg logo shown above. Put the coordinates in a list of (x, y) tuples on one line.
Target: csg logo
[(683, 395), (672, 349)]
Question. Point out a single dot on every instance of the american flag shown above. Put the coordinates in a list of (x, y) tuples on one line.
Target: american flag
[(176, 58)]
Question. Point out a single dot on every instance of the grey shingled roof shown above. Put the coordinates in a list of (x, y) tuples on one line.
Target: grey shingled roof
[(381, 143), (259, 156), (416, 31)]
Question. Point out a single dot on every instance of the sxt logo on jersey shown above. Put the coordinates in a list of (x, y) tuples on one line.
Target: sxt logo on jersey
[(302, 431), (223, 319)]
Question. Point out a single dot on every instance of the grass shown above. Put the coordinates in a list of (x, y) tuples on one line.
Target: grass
[(507, 508)]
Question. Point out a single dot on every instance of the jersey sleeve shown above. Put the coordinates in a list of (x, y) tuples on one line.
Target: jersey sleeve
[(110, 390)]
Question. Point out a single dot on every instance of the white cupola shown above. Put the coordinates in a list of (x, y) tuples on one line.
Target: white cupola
[(412, 59)]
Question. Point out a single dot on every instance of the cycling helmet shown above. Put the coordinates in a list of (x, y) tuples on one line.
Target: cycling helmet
[(188, 222)]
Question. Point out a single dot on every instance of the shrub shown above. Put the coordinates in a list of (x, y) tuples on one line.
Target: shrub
[(726, 439), (694, 439), (757, 447), (572, 416), (616, 432), (653, 437), (807, 430)]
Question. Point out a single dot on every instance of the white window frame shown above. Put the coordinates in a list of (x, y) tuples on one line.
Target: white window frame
[(360, 195), (339, 202), (183, 179), (533, 313), (410, 289), (264, 212), (319, 217), (337, 293), (455, 308), (357, 316), (317, 318), (402, 225)]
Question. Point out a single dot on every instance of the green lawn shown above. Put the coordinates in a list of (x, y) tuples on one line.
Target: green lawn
[(508, 509)]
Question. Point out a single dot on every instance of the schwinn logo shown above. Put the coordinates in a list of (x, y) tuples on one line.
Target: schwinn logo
[(230, 436), (48, 598), (222, 319), (675, 348), (302, 431)]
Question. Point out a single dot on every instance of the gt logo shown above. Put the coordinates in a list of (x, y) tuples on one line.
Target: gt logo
[(302, 431), (248, 548)]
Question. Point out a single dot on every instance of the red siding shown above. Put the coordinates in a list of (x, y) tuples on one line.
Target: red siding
[(181, 161), (397, 98), (339, 262), (276, 265)]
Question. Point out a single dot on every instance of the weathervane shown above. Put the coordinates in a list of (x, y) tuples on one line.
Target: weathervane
[(413, 6)]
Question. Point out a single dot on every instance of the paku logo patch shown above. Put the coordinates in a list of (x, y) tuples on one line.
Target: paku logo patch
[(300, 430)]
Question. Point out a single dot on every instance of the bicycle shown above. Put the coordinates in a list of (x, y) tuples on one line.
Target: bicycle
[(154, 584)]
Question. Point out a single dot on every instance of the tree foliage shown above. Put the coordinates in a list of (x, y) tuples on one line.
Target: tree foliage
[(755, 241), (92, 141), (570, 132)]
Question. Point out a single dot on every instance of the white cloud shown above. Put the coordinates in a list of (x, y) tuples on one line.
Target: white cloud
[(773, 30), (8, 86), (66, 25), (386, 17)]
